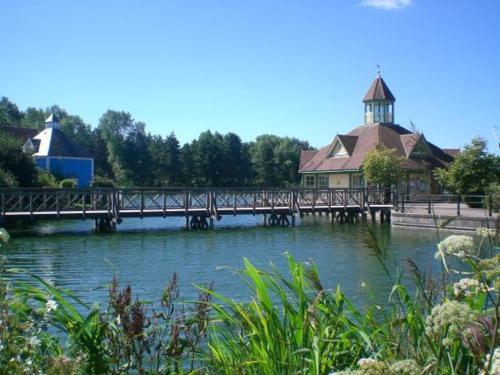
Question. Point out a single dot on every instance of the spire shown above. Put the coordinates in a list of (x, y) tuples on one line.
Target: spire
[(379, 91), (52, 122)]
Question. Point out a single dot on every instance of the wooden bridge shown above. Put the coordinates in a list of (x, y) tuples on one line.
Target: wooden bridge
[(200, 207)]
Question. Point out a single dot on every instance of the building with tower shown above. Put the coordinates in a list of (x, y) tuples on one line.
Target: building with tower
[(340, 163), (57, 153)]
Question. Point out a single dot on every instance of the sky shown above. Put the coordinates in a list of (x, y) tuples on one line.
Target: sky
[(296, 68)]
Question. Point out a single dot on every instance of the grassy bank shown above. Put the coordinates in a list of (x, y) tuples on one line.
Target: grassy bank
[(291, 325)]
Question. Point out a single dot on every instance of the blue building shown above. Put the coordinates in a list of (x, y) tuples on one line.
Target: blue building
[(55, 152)]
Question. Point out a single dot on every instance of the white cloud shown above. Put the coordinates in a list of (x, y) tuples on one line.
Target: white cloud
[(387, 4)]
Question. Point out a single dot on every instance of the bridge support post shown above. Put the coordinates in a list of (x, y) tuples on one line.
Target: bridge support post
[(293, 220), (187, 223), (105, 225), (211, 222)]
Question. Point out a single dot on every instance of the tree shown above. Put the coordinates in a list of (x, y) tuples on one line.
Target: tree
[(472, 170), (10, 115), (18, 168), (382, 166), (77, 130), (276, 160), (33, 118), (119, 131)]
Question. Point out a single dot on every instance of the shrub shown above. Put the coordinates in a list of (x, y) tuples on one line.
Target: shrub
[(68, 183), (101, 181), (47, 180), (7, 179)]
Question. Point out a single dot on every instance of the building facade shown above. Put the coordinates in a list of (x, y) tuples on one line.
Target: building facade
[(340, 163), (53, 151)]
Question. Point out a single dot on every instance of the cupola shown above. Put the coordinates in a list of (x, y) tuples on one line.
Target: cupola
[(379, 103), (51, 122)]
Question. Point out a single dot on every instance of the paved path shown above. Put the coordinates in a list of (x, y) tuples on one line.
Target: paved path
[(447, 209)]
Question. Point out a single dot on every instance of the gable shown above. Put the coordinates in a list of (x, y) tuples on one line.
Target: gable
[(338, 150)]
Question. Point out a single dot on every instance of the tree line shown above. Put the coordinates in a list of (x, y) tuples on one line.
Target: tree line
[(125, 154)]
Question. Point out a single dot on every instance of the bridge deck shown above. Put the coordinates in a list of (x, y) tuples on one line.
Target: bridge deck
[(117, 203)]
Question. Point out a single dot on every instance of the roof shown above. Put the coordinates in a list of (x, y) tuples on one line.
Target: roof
[(367, 138), (349, 141), (379, 91), (305, 156), (53, 142), (21, 134), (453, 152)]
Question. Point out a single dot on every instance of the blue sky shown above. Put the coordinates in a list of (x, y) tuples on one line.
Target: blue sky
[(297, 68)]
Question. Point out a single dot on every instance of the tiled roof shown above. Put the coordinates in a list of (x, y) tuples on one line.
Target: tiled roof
[(367, 138), (305, 156), (379, 91), (53, 142)]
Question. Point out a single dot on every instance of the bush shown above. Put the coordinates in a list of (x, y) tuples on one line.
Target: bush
[(47, 180), (101, 181), (7, 179), (68, 183), (14, 161)]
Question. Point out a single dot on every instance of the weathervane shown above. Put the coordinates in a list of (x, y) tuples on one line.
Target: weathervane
[(378, 70)]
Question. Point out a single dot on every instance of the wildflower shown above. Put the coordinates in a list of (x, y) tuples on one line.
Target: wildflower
[(50, 306), (456, 245), (452, 314), (34, 341), (405, 367), (486, 232), (495, 363), (468, 287), (366, 361), (368, 366)]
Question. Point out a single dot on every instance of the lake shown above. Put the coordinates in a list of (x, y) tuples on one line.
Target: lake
[(145, 253)]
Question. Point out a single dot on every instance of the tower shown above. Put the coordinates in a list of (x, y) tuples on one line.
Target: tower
[(51, 122), (379, 103)]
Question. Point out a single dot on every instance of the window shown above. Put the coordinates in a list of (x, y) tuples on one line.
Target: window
[(309, 181), (323, 181), (357, 181)]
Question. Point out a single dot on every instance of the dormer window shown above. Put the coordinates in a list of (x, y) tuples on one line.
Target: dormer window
[(338, 150)]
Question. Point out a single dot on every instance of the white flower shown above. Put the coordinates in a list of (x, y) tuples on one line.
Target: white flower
[(495, 363), (366, 361), (34, 341), (50, 306), (457, 245), (468, 287), (486, 232)]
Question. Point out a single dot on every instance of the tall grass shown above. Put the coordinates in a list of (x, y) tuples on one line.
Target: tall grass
[(291, 325)]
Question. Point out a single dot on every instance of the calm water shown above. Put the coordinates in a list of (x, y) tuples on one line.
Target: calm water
[(145, 253)]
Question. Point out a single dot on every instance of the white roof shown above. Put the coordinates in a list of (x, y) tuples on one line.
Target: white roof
[(45, 137)]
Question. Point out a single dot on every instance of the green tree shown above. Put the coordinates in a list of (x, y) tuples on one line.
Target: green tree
[(77, 130), (472, 171), (10, 115), (188, 164), (15, 163), (276, 160), (118, 131), (33, 118), (382, 166)]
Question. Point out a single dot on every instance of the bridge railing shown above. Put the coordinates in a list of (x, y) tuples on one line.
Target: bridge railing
[(30, 201), (116, 200)]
